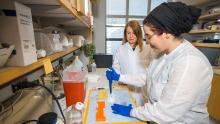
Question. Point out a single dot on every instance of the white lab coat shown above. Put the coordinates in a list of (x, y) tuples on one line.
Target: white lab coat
[(129, 61), (178, 86)]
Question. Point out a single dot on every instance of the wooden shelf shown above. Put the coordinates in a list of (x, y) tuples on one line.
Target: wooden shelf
[(68, 6), (212, 45), (203, 31), (213, 16), (10, 73), (56, 12)]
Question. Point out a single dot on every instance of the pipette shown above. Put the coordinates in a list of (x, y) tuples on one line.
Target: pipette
[(110, 86), (110, 89)]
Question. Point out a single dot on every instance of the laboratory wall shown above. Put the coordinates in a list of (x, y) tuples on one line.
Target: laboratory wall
[(99, 13)]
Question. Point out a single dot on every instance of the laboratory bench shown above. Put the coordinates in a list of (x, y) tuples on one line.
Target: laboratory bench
[(214, 99), (33, 103), (216, 70)]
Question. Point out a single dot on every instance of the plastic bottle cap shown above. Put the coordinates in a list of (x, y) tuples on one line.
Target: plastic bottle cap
[(79, 106)]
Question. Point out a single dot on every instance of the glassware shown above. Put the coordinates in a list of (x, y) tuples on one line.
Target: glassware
[(75, 113)]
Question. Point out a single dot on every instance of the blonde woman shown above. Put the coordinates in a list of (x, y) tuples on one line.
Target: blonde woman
[(133, 56)]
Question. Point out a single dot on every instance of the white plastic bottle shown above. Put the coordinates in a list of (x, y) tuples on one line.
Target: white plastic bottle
[(78, 64), (93, 67), (75, 115)]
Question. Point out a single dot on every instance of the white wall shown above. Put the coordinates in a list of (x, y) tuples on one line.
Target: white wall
[(99, 13)]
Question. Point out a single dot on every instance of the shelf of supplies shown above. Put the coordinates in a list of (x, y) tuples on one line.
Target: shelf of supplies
[(10, 73), (212, 45), (212, 16), (56, 12), (68, 6), (203, 31), (201, 3)]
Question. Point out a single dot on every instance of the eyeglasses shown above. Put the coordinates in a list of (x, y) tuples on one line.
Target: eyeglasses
[(147, 36)]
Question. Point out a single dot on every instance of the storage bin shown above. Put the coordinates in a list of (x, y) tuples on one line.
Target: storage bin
[(74, 86)]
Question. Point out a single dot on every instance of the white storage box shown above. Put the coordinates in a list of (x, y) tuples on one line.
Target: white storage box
[(18, 30)]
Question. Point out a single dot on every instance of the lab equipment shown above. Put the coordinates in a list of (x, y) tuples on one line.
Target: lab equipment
[(18, 30), (122, 109), (111, 74), (74, 83), (110, 86), (103, 60), (121, 96), (74, 113)]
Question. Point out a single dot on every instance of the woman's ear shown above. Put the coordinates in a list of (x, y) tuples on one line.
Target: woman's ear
[(167, 35)]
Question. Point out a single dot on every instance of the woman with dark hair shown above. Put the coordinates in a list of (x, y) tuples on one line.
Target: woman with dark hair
[(178, 82)]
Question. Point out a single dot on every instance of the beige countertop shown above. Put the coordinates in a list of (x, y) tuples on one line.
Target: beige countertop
[(216, 70)]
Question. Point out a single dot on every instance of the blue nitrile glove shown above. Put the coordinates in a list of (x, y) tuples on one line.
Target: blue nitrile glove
[(112, 75), (122, 109)]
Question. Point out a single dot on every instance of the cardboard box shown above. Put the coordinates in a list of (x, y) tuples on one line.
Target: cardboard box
[(18, 30)]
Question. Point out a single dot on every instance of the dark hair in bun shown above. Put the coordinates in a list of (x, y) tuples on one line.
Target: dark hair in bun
[(173, 17)]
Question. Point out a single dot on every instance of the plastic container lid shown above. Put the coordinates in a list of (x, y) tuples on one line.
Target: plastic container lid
[(79, 106)]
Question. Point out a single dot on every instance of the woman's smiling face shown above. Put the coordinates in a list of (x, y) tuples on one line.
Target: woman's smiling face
[(156, 41)]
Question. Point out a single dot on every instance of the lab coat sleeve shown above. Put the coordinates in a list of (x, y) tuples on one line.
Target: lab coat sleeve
[(135, 80), (116, 64), (190, 77)]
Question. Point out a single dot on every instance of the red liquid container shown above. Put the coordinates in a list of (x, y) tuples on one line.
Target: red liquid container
[(74, 87)]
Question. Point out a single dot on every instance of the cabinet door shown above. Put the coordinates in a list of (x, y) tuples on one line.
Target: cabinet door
[(214, 99)]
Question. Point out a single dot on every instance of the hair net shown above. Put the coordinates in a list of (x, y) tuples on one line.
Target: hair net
[(173, 17)]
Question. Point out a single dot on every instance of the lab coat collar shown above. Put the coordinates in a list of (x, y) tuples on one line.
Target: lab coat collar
[(130, 48), (176, 51)]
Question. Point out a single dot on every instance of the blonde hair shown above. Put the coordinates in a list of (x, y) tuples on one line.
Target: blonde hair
[(135, 26)]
